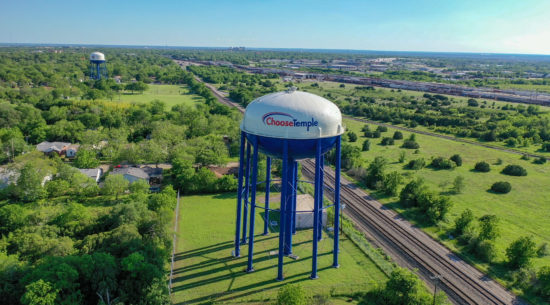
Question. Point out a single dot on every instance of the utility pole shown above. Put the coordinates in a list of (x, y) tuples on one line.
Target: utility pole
[(437, 279)]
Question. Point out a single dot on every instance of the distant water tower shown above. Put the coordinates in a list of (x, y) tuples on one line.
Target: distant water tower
[(289, 125), (98, 68)]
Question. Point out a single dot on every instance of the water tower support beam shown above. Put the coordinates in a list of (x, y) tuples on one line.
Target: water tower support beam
[(253, 205), (316, 206), (98, 67), (337, 204), (237, 252), (246, 190), (267, 187), (282, 215), (321, 193), (289, 192), (295, 189)]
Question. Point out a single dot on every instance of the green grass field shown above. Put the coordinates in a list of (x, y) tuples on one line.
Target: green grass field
[(205, 270), (523, 211), (169, 94)]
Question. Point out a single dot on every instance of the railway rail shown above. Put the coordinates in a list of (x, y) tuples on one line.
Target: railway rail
[(463, 283)]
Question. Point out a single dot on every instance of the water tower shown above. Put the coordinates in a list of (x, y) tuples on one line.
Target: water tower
[(98, 68), (289, 125)]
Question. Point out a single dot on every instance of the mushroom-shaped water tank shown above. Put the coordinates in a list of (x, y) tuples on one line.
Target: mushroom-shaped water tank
[(97, 57), (301, 118)]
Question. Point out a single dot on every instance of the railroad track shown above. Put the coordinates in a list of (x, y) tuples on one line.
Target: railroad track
[(463, 285)]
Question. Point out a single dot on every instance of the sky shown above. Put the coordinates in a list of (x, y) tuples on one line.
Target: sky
[(486, 26)]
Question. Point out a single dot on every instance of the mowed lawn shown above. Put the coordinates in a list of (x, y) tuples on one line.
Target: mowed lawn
[(169, 94), (206, 271), (524, 211)]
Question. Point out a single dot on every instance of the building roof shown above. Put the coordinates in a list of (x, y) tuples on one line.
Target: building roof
[(152, 171), (73, 146), (94, 173), (51, 146), (131, 171)]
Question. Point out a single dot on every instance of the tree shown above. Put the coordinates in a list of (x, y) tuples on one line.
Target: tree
[(416, 164), (29, 184), (404, 287), (39, 293), (502, 187), (543, 284), (137, 86), (140, 186), (398, 135), (521, 251), (115, 185), (463, 222), (473, 103), (488, 227), (457, 159), (391, 182), (293, 294), (410, 144), (387, 141), (482, 166), (458, 185), (514, 170), (86, 159), (366, 145), (352, 137), (375, 172), (411, 192)]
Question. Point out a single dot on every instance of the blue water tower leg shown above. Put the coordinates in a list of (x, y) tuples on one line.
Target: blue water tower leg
[(337, 204), (289, 208), (316, 210), (98, 71), (282, 216), (239, 198), (295, 189), (253, 205), (321, 195), (267, 186), (246, 191)]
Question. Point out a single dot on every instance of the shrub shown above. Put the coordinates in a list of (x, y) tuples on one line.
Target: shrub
[(366, 145), (382, 128), (543, 282), (375, 172), (365, 128), (398, 135), (410, 144), (540, 160), (488, 227), (391, 182), (402, 156), (525, 157), (387, 141), (521, 251), (458, 185), (482, 166), (502, 187), (441, 163), (352, 137), (463, 221), (546, 146), (543, 250), (457, 159), (410, 193), (486, 250), (293, 295), (416, 164), (472, 103), (514, 170)]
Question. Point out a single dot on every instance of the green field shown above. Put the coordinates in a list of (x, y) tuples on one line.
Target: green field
[(523, 211), (169, 94), (205, 270)]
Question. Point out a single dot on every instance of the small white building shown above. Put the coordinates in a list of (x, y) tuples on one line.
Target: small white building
[(94, 173), (304, 212)]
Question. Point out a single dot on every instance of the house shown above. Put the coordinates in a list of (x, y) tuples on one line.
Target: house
[(71, 150), (51, 147), (150, 174), (94, 173)]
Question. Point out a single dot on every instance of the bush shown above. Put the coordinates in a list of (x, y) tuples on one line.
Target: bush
[(543, 250), (416, 164), (543, 282), (482, 166), (472, 103), (366, 145), (402, 156), (382, 129), (398, 135), (441, 163), (293, 295), (352, 137), (486, 250), (458, 185), (391, 182), (502, 187), (375, 172), (540, 160), (410, 193), (410, 144), (521, 251), (387, 141), (514, 170), (488, 227), (457, 159), (546, 146), (463, 221)]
